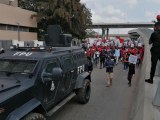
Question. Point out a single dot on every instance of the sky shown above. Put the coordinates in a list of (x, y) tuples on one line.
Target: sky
[(119, 11)]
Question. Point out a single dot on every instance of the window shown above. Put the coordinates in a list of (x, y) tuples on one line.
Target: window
[(24, 29), (67, 64), (50, 67), (15, 28), (9, 27), (20, 66), (2, 27)]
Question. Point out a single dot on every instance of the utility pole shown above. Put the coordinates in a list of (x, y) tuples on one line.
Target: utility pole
[(18, 31)]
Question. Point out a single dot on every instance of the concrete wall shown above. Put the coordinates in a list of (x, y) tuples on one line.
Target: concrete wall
[(15, 15), (7, 2), (158, 69), (13, 35), (138, 108), (143, 108), (12, 15)]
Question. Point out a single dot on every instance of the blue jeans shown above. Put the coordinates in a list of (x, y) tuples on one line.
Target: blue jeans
[(125, 65)]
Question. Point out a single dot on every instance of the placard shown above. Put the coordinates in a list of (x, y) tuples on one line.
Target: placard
[(139, 44), (133, 59)]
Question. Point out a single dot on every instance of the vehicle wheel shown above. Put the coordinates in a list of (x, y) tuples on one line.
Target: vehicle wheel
[(83, 94), (34, 116)]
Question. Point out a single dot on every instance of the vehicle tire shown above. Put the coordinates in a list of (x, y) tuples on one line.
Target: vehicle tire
[(83, 94), (34, 116)]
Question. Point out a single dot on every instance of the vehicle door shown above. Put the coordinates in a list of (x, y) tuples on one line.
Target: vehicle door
[(51, 85), (68, 72)]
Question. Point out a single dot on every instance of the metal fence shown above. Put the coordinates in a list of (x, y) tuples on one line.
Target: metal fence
[(5, 44)]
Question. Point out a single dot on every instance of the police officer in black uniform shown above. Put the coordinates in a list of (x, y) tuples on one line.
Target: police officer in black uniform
[(155, 50)]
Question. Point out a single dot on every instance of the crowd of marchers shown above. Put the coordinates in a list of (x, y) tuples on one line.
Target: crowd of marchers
[(110, 55)]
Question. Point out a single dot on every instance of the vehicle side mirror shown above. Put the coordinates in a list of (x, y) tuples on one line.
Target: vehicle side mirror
[(46, 77), (57, 73)]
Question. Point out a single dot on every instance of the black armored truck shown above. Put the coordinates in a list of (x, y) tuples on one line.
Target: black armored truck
[(36, 81)]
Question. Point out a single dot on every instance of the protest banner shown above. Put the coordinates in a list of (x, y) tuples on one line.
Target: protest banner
[(133, 59)]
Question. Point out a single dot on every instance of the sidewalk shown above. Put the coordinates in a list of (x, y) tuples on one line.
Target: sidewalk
[(151, 112)]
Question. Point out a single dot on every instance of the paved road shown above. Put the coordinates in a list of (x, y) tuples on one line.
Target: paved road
[(113, 103)]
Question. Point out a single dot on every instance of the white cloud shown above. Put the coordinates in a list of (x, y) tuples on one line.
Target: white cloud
[(151, 15), (111, 11), (108, 14), (130, 3), (155, 1)]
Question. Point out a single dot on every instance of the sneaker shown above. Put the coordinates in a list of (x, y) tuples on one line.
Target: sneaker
[(149, 81)]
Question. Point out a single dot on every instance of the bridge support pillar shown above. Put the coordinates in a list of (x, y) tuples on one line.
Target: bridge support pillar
[(103, 32), (107, 36)]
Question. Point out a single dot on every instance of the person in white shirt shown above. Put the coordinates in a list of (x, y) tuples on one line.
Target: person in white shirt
[(96, 57), (117, 54)]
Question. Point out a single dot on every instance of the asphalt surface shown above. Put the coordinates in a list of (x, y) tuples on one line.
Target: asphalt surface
[(106, 103)]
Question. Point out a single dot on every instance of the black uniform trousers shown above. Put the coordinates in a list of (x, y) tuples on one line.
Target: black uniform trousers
[(154, 58)]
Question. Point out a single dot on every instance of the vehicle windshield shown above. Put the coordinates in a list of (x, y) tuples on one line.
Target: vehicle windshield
[(20, 66)]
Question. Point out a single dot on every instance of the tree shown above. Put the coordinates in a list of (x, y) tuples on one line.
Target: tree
[(70, 14)]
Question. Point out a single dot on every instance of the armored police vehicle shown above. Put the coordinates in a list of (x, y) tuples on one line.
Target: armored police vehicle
[(36, 82)]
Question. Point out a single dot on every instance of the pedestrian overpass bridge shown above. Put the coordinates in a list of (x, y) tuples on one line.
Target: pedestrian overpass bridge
[(121, 25), (106, 26)]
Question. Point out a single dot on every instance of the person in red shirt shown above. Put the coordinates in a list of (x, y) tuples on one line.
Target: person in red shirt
[(125, 60), (135, 51), (141, 54), (123, 50), (129, 50), (88, 54)]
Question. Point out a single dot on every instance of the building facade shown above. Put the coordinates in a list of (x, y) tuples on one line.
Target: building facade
[(10, 2), (16, 23)]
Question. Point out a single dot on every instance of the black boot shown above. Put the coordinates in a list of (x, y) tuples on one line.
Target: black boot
[(129, 83), (149, 81)]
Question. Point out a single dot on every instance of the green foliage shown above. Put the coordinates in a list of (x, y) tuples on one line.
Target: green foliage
[(72, 15)]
